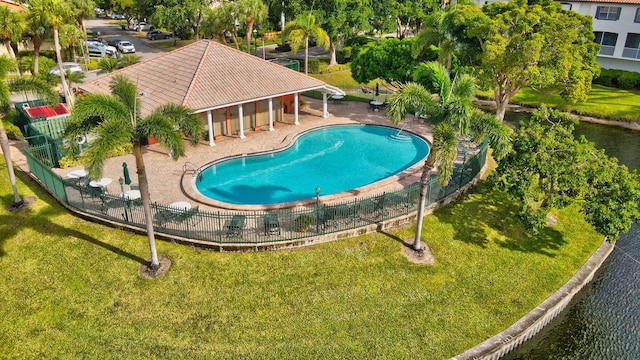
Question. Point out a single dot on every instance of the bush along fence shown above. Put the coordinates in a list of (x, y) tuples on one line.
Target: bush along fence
[(253, 229)]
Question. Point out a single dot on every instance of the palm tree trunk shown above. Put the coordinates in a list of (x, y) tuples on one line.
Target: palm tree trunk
[(83, 24), (37, 43), (248, 35), (424, 186), (306, 55), (6, 150), (146, 203), (63, 78)]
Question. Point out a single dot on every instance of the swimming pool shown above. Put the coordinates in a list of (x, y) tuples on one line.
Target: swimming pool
[(334, 159)]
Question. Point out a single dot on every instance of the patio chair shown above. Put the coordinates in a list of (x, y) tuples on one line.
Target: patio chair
[(189, 216), (236, 226), (163, 215), (271, 224)]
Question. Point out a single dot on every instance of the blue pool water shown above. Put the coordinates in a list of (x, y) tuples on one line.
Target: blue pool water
[(335, 159)]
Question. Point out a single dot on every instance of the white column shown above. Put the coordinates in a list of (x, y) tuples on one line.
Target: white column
[(270, 114), (295, 108), (241, 117), (210, 124), (325, 112)]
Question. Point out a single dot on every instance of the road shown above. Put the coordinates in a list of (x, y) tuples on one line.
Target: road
[(113, 31)]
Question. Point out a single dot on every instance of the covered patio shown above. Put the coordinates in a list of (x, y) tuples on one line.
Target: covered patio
[(232, 91)]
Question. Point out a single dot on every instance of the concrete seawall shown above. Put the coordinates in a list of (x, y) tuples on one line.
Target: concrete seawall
[(530, 324)]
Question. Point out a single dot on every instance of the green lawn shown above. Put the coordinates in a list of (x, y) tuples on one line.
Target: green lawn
[(607, 103), (70, 288)]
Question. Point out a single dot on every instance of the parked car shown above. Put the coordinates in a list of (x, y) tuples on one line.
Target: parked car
[(113, 42), (126, 47), (69, 67), (157, 34), (142, 26), (96, 49), (108, 50), (115, 16)]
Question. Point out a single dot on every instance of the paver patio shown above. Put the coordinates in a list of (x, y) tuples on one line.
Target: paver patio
[(165, 174)]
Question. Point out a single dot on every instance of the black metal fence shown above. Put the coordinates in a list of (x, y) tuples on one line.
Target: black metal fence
[(254, 228)]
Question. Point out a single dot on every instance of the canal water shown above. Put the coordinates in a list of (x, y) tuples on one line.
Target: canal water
[(603, 320)]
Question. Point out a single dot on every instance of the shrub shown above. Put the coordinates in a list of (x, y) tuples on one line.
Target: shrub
[(302, 222), (358, 41), (68, 161), (13, 132), (344, 55), (314, 66), (628, 80)]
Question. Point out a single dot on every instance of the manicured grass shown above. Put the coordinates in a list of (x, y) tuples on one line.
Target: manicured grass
[(70, 288), (607, 103)]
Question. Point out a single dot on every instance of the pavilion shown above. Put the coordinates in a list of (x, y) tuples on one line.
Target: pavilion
[(231, 90)]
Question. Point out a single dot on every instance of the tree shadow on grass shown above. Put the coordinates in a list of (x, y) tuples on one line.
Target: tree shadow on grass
[(39, 221), (471, 216)]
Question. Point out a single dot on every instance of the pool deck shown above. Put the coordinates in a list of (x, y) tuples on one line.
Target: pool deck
[(165, 175)]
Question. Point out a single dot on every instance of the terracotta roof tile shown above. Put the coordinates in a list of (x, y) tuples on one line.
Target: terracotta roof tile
[(206, 75)]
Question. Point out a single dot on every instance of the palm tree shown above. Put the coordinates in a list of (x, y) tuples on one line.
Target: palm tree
[(11, 28), (115, 120), (71, 37), (253, 11), (6, 88), (37, 29), (55, 13), (450, 108), (440, 100), (437, 31), (299, 30), (108, 65), (128, 60), (84, 10)]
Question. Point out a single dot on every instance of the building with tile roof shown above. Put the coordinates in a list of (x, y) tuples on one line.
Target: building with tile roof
[(232, 90)]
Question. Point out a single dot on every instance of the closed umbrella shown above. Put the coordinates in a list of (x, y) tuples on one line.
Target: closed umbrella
[(125, 170), (377, 90)]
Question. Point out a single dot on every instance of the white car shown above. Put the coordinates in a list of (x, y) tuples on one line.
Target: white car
[(126, 47), (142, 26), (108, 50), (69, 67)]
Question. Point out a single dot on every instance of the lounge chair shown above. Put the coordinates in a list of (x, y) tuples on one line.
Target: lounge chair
[(163, 215), (189, 216), (271, 224), (236, 226)]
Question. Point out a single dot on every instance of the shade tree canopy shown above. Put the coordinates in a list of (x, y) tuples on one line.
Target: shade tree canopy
[(534, 44), (548, 168)]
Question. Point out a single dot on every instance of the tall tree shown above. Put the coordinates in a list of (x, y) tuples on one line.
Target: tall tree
[(83, 10), (342, 19), (448, 104), (538, 45), (251, 12), (38, 30), (12, 26), (6, 88), (115, 120), (218, 21), (71, 37), (55, 13), (181, 17), (387, 59), (548, 168), (299, 30)]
